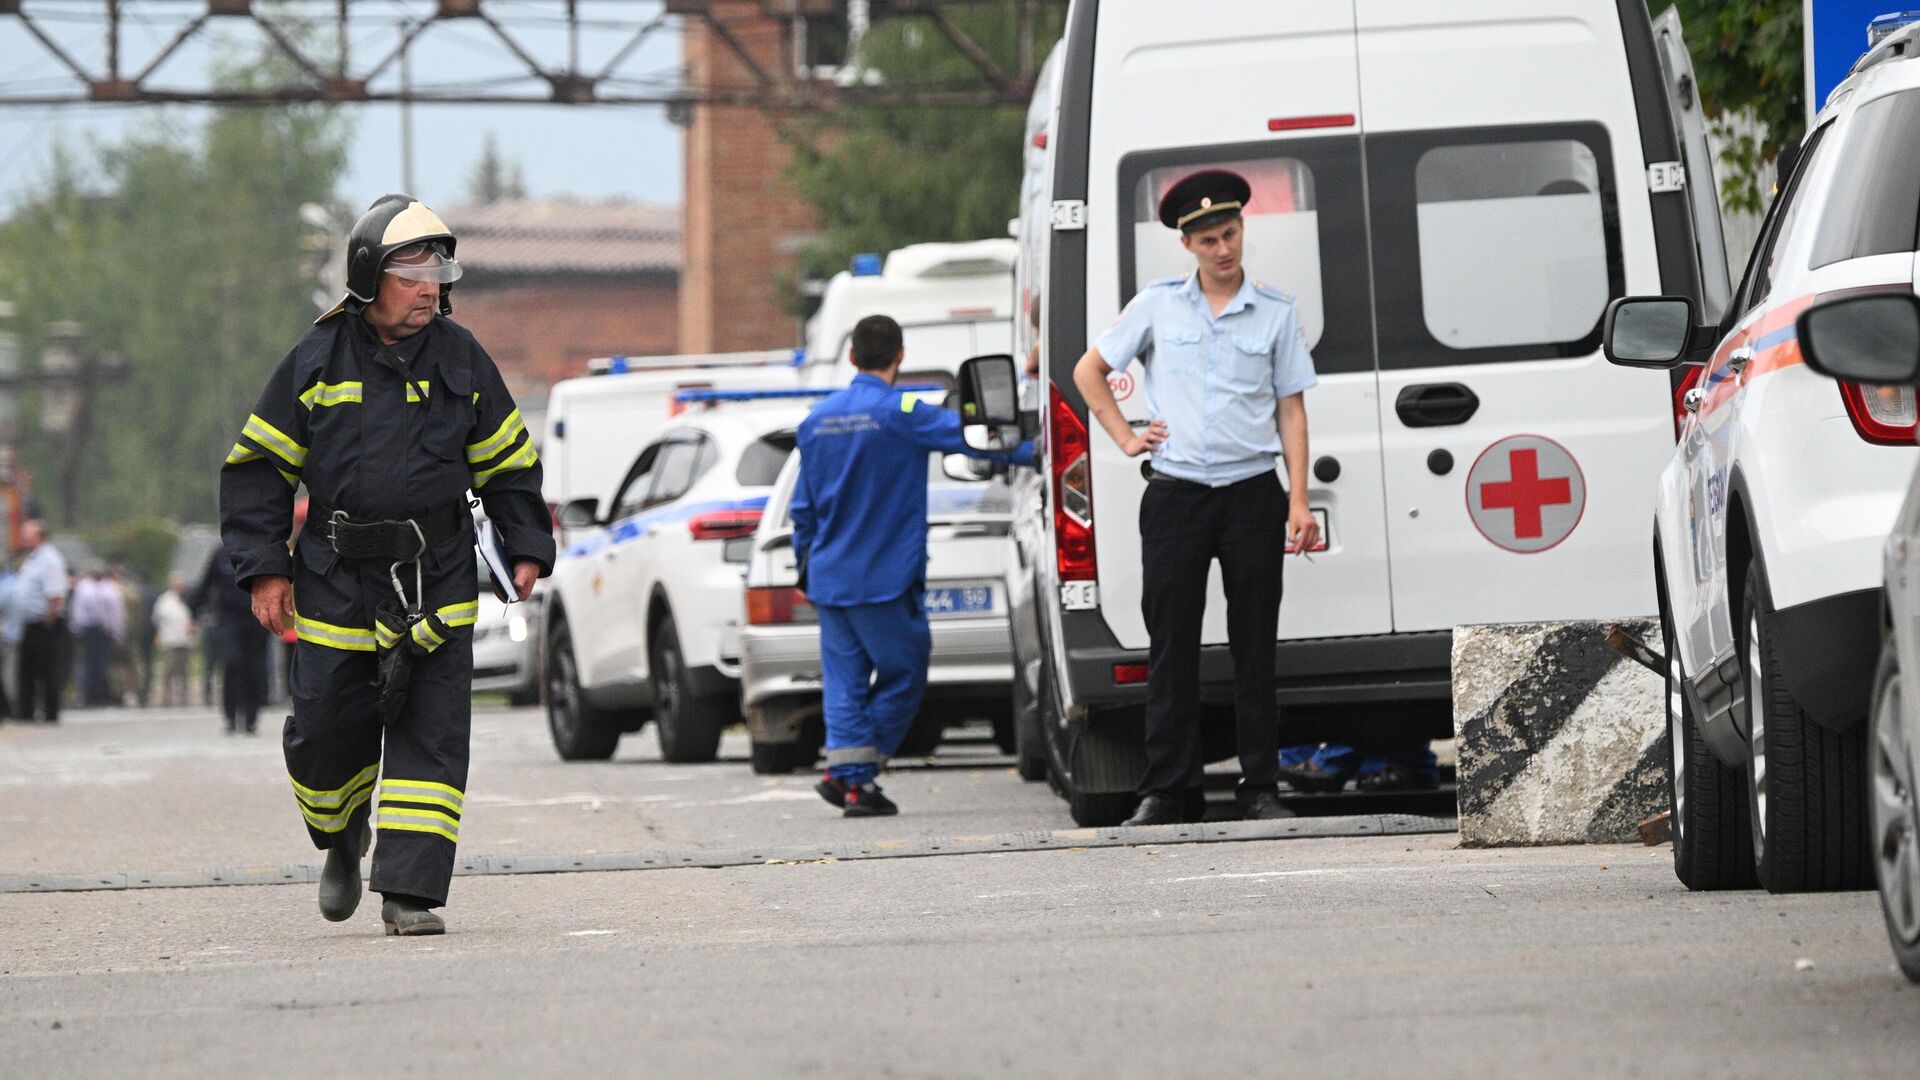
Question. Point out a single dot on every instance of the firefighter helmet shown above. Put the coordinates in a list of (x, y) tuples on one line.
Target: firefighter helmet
[(397, 225)]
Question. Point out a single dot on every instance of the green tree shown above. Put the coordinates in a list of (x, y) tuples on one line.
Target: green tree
[(493, 177), (1747, 56), (178, 248), (882, 178)]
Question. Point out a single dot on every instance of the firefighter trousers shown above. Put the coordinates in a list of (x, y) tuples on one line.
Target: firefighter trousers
[(409, 777)]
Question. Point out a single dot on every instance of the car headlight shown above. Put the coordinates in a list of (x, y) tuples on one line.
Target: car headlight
[(517, 627)]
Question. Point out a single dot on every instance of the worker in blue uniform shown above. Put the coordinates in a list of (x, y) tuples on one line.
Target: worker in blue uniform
[(860, 537), (1326, 767)]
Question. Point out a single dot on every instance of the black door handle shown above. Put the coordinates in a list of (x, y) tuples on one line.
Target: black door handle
[(1436, 405)]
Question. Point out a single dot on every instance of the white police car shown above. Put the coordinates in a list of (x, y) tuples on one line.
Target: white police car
[(1770, 517), (506, 646), (643, 609), (968, 517)]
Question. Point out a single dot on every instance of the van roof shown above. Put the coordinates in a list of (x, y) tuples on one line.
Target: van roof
[(947, 260)]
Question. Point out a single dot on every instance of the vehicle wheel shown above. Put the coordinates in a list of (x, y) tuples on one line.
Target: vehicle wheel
[(1895, 828), (1029, 747), (580, 731), (1102, 762), (1712, 827), (689, 726), (774, 759), (1806, 783)]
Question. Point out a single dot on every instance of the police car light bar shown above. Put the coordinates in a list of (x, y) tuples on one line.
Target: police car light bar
[(1883, 26)]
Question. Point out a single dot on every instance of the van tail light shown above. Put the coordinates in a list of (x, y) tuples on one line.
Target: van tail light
[(1688, 380), (1072, 466), (779, 607), (1883, 415), (723, 524)]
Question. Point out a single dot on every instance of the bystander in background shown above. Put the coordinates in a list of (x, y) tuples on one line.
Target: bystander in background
[(173, 639), (41, 596)]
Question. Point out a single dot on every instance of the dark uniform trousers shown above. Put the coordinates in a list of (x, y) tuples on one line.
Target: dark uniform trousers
[(1184, 527)]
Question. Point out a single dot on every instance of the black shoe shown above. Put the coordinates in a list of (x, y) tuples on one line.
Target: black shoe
[(409, 916), (340, 879), (1398, 778), (1310, 779), (1158, 810), (868, 800), (831, 790), (1264, 806)]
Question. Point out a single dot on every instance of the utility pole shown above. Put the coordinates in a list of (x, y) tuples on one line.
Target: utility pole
[(71, 375), (406, 120)]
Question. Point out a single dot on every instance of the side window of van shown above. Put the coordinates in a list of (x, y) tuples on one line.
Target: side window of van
[(1492, 245), (1305, 233), (1874, 205)]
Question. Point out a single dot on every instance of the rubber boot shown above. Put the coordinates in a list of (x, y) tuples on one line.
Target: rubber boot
[(340, 880), (407, 916)]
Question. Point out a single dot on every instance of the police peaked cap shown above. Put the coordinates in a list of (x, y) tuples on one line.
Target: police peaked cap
[(391, 223), (1203, 199)]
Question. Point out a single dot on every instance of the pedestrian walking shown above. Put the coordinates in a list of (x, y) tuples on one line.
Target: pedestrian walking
[(1227, 366), (132, 652), (860, 534), (43, 619), (243, 643), (11, 627), (389, 412), (173, 633)]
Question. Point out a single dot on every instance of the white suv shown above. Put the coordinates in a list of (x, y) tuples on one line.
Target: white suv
[(643, 609), (1771, 515)]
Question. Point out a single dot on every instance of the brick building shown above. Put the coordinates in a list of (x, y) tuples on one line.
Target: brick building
[(551, 283), (743, 224)]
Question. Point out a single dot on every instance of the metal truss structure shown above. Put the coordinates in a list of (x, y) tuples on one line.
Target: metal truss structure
[(343, 51)]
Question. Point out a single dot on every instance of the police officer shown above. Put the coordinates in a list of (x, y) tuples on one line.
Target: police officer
[(389, 413), (860, 536), (1227, 363)]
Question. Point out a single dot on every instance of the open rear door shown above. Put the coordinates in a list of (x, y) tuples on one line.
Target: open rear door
[(1703, 193)]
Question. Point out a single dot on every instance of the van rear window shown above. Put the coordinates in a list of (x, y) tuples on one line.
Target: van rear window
[(1512, 247)]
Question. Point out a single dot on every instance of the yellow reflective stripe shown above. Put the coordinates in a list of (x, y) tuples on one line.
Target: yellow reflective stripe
[(384, 637), (387, 796), (415, 396), (435, 816), (290, 478), (324, 394), (525, 458), (333, 797), (476, 397), (241, 454), (403, 826), (425, 635), (336, 821), (333, 637), (460, 614), (510, 428), (396, 787), (272, 438)]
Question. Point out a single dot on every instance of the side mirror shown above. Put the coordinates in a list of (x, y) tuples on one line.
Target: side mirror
[(967, 469), (580, 514), (1871, 338), (1653, 332), (989, 390)]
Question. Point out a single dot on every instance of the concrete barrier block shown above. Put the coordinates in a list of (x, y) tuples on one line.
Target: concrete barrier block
[(1561, 740)]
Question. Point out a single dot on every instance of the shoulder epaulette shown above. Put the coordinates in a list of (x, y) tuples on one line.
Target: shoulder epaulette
[(1272, 293)]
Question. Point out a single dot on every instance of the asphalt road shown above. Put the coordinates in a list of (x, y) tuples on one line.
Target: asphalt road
[(1361, 956)]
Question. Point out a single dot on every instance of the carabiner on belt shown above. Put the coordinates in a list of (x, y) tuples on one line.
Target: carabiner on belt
[(413, 607)]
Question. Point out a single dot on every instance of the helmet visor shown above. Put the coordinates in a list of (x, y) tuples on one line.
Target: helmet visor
[(423, 262)]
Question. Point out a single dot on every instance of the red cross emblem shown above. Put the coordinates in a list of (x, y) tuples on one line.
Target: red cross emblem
[(1526, 493)]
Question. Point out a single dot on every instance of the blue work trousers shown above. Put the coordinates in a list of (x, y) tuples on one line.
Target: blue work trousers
[(873, 660)]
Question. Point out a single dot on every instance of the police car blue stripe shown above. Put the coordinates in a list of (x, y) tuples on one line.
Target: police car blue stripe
[(629, 529)]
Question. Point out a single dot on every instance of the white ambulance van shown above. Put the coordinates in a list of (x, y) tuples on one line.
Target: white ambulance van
[(1453, 193), (952, 301)]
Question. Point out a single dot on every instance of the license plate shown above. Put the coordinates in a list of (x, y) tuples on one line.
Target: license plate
[(960, 600)]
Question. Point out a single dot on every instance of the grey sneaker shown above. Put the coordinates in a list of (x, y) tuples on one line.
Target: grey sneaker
[(408, 917), (340, 880)]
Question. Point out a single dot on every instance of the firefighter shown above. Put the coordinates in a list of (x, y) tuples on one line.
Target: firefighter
[(388, 412)]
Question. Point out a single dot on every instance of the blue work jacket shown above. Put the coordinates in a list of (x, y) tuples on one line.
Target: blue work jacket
[(860, 502)]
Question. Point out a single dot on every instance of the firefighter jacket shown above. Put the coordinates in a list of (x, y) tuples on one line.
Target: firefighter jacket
[(381, 432)]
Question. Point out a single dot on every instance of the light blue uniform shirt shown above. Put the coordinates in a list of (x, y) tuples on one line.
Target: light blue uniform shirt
[(1215, 379)]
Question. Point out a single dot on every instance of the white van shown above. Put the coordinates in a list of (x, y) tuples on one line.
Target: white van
[(595, 424), (952, 301), (1453, 193)]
